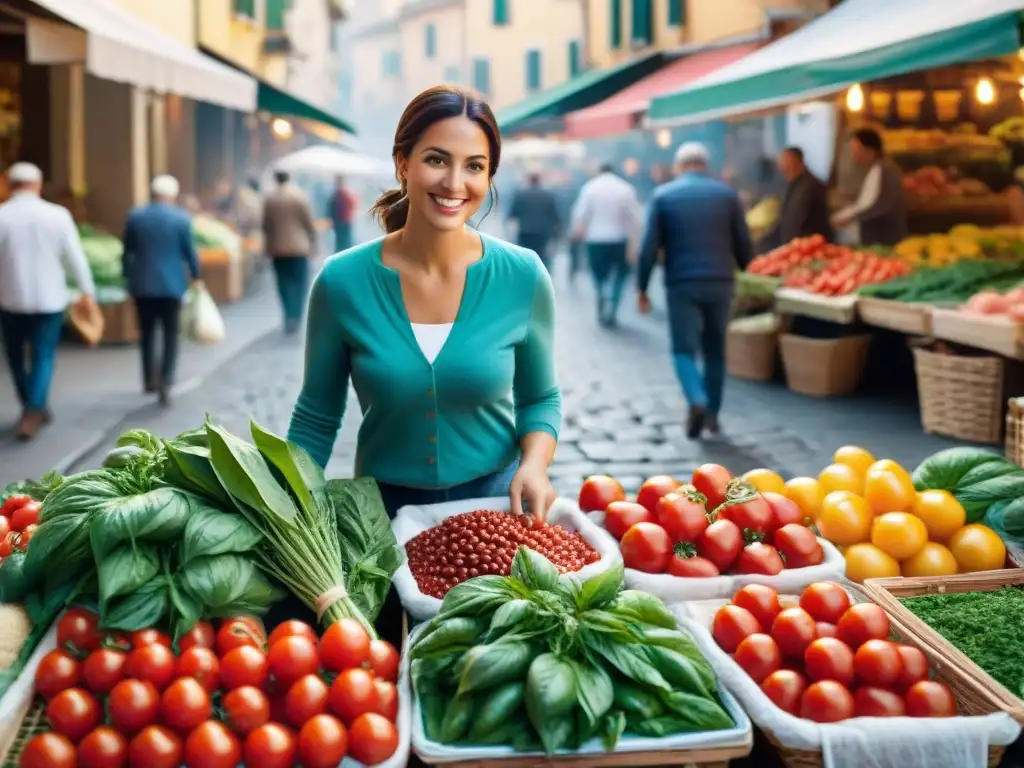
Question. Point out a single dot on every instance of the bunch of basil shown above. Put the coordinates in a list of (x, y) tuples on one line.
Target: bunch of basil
[(545, 662)]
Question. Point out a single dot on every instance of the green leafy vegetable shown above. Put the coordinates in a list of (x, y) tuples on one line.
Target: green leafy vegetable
[(978, 478), (550, 697), (156, 516), (209, 531)]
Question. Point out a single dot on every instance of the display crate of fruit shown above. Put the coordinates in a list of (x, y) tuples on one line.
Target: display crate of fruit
[(896, 315), (833, 309), (993, 334)]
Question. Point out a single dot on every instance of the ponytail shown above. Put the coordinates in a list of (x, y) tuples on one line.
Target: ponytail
[(391, 210)]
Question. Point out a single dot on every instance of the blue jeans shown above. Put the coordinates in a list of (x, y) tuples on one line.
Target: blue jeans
[(36, 335), (698, 318), (342, 236), (610, 270), (292, 286), (495, 484)]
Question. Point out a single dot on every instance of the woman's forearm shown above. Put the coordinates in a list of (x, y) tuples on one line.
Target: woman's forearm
[(537, 449)]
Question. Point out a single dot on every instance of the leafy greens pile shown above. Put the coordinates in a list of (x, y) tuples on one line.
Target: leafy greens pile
[(545, 662)]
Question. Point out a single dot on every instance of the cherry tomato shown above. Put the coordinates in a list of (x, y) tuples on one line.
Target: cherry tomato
[(731, 625), (57, 671), (761, 601), (145, 637), (245, 665), (682, 515), (825, 601), (201, 664), (799, 546), (103, 669), (784, 511), (372, 739), (646, 547), (825, 629), (930, 698), (5, 528), (745, 507), (384, 660), (25, 516), (48, 750), (827, 702), (290, 628), (270, 746), (352, 694), (212, 745), (103, 748), (385, 699), (598, 491), (14, 502), (184, 705), (78, 632), (785, 688), (829, 659), (156, 747), (879, 663), (687, 564), (292, 657), (200, 636), (306, 698), (323, 743), (652, 489), (153, 663), (870, 701), (862, 622), (345, 644), (246, 709), (759, 558), (759, 656), (915, 667), (238, 632), (721, 544), (623, 515), (711, 480), (132, 705), (73, 713), (794, 630)]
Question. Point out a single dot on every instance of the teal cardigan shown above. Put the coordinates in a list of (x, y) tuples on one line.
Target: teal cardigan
[(440, 425)]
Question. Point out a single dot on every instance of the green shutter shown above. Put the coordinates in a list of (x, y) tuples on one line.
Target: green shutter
[(451, 75), (482, 76), (431, 41), (677, 13), (275, 14), (642, 26), (245, 8), (575, 62), (500, 13), (615, 22), (533, 71)]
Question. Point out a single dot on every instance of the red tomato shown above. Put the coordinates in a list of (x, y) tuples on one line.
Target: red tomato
[(73, 713), (153, 663), (745, 507), (761, 601), (184, 705), (711, 479), (785, 688), (246, 709), (799, 546), (270, 746), (623, 515), (930, 698), (132, 705), (306, 698), (78, 631), (682, 515), (372, 739), (57, 671), (8, 542), (687, 564), (201, 664), (323, 743), (653, 489), (103, 669), (384, 660), (794, 630), (290, 628), (784, 511), (646, 547), (759, 656), (825, 629), (352, 694), (825, 601), (827, 702), (759, 558), (829, 659), (345, 644), (245, 665), (25, 516), (103, 748), (5, 528), (870, 701), (48, 750), (155, 747), (731, 625), (862, 622), (292, 657), (879, 663), (145, 637), (915, 666), (200, 636), (599, 491), (238, 632), (721, 544), (385, 702), (212, 745), (14, 502)]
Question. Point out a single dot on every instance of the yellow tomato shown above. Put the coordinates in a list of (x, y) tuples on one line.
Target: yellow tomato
[(841, 477), (806, 493), (845, 518), (765, 480), (866, 561), (941, 513), (853, 456), (977, 548), (888, 487), (933, 560), (899, 534)]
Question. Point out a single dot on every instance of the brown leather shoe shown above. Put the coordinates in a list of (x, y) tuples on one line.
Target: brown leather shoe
[(31, 421)]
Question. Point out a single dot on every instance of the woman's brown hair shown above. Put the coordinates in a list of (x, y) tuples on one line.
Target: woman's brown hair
[(432, 106)]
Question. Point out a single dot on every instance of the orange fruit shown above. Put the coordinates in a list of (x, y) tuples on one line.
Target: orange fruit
[(854, 456), (888, 487), (977, 547), (866, 561), (841, 477), (899, 534), (806, 493), (765, 480), (845, 518), (933, 560), (940, 512)]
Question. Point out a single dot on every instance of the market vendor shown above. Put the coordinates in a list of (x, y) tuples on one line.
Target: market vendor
[(804, 209), (880, 211), (446, 334)]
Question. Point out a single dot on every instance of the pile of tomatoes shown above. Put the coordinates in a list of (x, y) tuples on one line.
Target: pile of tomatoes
[(19, 517), (712, 525), (798, 252), (484, 542), (228, 697), (827, 659)]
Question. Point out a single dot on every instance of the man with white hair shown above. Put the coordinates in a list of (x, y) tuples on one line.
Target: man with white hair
[(39, 246), (698, 222), (159, 263)]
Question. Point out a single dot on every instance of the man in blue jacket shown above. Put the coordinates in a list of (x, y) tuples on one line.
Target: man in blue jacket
[(699, 223), (159, 263)]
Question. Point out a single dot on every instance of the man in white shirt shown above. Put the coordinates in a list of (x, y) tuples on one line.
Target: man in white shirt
[(607, 219), (880, 212), (39, 246)]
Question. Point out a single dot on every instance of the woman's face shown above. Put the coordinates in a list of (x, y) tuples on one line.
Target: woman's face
[(447, 174)]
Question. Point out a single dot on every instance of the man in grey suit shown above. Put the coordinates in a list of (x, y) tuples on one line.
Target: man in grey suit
[(804, 209), (699, 223)]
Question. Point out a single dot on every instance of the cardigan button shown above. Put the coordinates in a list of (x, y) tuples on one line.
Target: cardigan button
[(432, 438), (430, 393), (430, 414), (431, 460)]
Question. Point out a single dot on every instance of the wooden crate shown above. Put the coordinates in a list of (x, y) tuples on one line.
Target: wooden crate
[(120, 323), (225, 280), (833, 309), (992, 334), (896, 315)]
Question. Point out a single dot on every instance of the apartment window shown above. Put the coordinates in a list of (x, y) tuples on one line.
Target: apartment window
[(615, 22), (482, 75), (245, 8), (501, 12), (452, 74), (431, 41), (533, 71), (642, 22), (391, 64), (275, 14), (575, 58), (676, 13)]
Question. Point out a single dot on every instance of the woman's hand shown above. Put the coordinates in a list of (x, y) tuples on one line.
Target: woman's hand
[(531, 486)]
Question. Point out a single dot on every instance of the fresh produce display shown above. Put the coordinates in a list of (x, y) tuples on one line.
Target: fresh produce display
[(543, 662), (218, 698), (801, 252), (208, 232), (1009, 305), (484, 543), (104, 253), (952, 285), (826, 659), (964, 241)]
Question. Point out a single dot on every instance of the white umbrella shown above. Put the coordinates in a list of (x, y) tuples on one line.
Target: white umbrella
[(330, 161)]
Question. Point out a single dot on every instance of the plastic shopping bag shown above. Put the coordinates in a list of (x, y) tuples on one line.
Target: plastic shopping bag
[(201, 320)]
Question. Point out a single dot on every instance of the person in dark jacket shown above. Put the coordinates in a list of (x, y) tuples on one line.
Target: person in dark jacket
[(804, 209), (159, 263), (699, 223), (535, 211)]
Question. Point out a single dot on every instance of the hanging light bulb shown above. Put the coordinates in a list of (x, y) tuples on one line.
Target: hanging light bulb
[(985, 91), (855, 98), (664, 138), (282, 129)]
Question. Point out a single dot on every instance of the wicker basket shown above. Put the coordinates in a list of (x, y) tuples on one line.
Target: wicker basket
[(30, 721), (960, 396), (824, 367), (1015, 431), (749, 353)]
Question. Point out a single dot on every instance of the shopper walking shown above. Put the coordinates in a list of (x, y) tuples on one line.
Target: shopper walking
[(289, 236), (699, 223), (535, 212), (159, 263), (342, 211), (39, 246), (606, 218)]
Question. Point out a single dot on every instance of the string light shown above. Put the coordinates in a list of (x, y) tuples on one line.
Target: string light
[(855, 98), (282, 128), (985, 91)]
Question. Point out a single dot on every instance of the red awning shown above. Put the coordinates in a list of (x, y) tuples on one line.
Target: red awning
[(621, 112)]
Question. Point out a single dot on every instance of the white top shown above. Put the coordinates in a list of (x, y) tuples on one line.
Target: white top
[(39, 246), (870, 191), (607, 211), (431, 337)]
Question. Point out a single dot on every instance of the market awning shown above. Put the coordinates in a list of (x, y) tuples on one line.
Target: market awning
[(622, 112), (582, 91), (278, 102), (858, 41), (115, 45)]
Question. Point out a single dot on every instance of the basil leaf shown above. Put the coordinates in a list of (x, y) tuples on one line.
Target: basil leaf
[(209, 531), (513, 615), (433, 668), (633, 605), (459, 633), (612, 728), (60, 549), (189, 468), (680, 673), (185, 610), (80, 494), (433, 703), (635, 700), (125, 569), (688, 714), (192, 437), (498, 709), (303, 475), (487, 666), (608, 624), (156, 516), (595, 694), (479, 596), (244, 473), (630, 659), (551, 699), (228, 584), (146, 607), (602, 589), (534, 570), (457, 718), (14, 583)]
